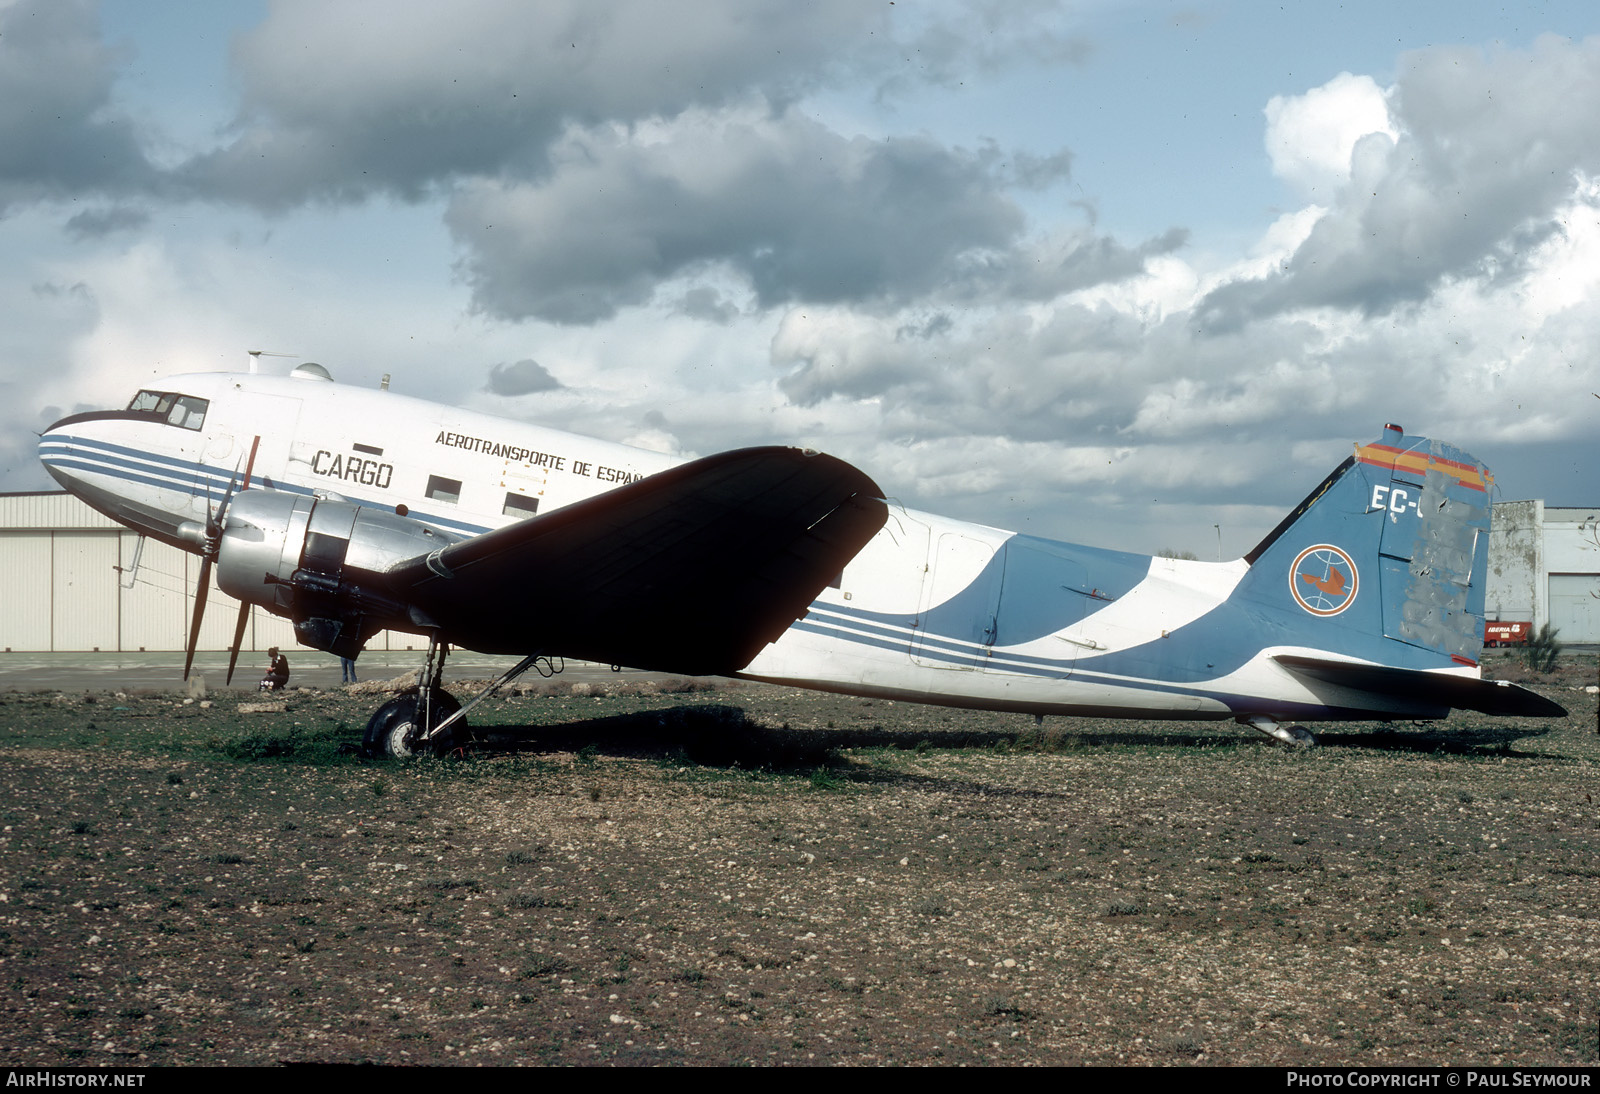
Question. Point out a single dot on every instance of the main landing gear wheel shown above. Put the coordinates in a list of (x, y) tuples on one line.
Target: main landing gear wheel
[(395, 730)]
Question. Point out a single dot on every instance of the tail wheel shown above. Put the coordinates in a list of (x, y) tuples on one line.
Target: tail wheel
[(395, 730)]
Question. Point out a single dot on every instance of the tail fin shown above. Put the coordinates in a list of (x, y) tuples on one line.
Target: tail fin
[(1385, 561)]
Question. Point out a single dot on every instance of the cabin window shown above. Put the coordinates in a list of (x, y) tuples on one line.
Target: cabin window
[(443, 489), (520, 505)]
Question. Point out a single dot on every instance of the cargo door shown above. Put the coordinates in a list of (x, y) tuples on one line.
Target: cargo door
[(955, 627)]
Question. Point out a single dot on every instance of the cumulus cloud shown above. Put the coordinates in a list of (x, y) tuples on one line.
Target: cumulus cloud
[(798, 210), (95, 223), (651, 192), (59, 133), (1310, 137), (522, 378), (347, 100), (1488, 144), (941, 43), (704, 302), (1483, 360)]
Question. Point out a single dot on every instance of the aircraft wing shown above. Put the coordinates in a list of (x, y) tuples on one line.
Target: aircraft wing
[(692, 570), (1488, 696)]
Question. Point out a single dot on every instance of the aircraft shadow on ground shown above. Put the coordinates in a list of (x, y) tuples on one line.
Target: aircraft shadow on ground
[(724, 736)]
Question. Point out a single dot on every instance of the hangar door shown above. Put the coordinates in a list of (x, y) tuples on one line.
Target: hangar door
[(1574, 607)]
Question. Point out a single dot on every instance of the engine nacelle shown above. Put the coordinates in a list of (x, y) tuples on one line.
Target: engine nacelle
[(320, 563)]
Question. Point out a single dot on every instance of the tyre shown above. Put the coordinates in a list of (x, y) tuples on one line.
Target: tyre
[(395, 729)]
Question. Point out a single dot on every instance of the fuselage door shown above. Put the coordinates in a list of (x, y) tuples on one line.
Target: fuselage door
[(273, 418), (960, 602)]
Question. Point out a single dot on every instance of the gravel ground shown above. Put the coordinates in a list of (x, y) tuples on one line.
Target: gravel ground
[(754, 874)]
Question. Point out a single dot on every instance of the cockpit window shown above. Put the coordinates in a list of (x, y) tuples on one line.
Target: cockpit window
[(188, 412), (184, 411)]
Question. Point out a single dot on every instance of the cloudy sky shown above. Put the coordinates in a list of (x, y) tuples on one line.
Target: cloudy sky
[(1113, 272)]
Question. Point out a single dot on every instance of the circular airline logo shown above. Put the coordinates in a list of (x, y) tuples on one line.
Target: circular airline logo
[(1323, 580)]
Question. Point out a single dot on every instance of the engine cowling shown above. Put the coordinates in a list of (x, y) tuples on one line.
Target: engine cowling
[(320, 563)]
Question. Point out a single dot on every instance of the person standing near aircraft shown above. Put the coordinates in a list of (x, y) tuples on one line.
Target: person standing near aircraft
[(277, 671), (347, 670)]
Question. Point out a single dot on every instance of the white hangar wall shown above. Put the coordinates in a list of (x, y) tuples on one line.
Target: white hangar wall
[(67, 584), (1544, 567)]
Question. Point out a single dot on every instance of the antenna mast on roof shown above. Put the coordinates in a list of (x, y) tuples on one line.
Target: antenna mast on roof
[(257, 354)]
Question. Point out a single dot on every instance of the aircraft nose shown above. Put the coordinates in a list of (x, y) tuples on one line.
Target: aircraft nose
[(56, 451)]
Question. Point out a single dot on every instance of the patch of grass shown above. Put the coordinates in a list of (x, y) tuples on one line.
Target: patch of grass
[(1419, 905), (1001, 1006), (450, 884), (260, 746), (543, 965), (823, 779), (1185, 1044)]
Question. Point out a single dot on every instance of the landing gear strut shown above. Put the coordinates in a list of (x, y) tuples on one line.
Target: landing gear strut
[(399, 729), (1298, 736), (427, 718), (419, 720)]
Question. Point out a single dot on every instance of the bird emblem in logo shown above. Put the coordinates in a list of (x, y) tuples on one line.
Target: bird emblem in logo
[(1323, 580)]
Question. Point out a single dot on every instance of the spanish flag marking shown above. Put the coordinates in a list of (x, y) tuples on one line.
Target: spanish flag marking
[(1420, 463)]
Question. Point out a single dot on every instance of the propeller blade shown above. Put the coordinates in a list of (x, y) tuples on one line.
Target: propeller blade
[(215, 517), (238, 640), (214, 529), (202, 590)]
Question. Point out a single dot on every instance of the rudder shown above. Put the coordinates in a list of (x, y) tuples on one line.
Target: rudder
[(1386, 560)]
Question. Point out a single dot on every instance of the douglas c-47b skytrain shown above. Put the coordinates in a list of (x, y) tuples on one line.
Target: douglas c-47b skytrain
[(351, 510)]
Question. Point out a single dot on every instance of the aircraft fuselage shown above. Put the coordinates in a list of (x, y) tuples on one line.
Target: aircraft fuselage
[(931, 610)]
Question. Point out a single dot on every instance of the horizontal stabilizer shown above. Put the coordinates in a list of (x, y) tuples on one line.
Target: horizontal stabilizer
[(1464, 692)]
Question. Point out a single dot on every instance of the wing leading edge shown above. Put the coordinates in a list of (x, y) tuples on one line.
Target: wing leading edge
[(692, 570)]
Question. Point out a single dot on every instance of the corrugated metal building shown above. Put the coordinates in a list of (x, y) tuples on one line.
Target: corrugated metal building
[(67, 583), (1544, 566)]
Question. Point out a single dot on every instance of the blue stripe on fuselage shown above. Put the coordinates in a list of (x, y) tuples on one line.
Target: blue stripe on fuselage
[(110, 461)]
